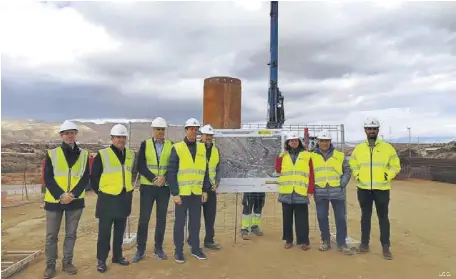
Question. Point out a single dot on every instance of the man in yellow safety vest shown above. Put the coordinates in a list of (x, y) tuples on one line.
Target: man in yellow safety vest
[(331, 176), (153, 159), (374, 164), (111, 179), (188, 180), (66, 174), (210, 206)]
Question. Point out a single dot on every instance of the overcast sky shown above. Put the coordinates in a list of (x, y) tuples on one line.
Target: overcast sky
[(338, 63)]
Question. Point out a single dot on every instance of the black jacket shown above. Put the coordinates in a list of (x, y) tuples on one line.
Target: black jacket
[(110, 206), (173, 169), (71, 156)]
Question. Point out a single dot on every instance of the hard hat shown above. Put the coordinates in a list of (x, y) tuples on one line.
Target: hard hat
[(67, 125), (324, 135), (371, 123), (159, 122), (208, 130), (291, 135), (119, 130), (192, 122)]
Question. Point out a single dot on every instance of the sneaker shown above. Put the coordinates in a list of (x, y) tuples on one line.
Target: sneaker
[(363, 248), (305, 247), (387, 253), (137, 257), (179, 258), (324, 246), (199, 255), (49, 271), (288, 245), (212, 246), (257, 231), (160, 254), (345, 249)]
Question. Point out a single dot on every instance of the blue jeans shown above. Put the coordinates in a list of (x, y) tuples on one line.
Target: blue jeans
[(339, 216)]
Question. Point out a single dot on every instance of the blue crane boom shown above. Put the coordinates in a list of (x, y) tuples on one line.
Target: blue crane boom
[(276, 113)]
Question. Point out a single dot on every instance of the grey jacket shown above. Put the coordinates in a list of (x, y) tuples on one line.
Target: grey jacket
[(333, 193)]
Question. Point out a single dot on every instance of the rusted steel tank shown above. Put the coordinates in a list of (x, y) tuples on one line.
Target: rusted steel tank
[(222, 102)]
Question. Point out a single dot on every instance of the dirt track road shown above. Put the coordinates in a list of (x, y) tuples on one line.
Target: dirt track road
[(423, 226)]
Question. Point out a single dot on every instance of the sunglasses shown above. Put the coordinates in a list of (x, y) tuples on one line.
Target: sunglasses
[(371, 129)]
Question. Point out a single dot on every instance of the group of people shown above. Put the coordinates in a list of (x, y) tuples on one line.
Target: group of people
[(188, 172)]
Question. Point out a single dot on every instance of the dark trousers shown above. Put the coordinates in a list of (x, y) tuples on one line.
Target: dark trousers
[(104, 237), (301, 218), (148, 196), (192, 205), (209, 212), (253, 202), (381, 198), (339, 217)]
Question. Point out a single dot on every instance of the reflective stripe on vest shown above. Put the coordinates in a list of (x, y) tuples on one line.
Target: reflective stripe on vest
[(328, 172), (370, 165), (65, 177), (190, 176), (294, 177), (116, 176), (157, 168), (212, 164)]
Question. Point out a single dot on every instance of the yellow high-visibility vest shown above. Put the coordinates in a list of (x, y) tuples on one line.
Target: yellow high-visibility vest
[(294, 177), (369, 166), (157, 168), (212, 163), (190, 176), (328, 172), (65, 177), (116, 176)]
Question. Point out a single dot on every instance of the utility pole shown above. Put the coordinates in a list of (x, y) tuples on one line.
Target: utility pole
[(409, 142)]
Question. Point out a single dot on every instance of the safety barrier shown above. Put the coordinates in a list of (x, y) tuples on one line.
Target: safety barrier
[(441, 170)]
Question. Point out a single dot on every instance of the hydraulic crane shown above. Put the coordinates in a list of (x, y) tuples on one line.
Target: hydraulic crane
[(276, 113)]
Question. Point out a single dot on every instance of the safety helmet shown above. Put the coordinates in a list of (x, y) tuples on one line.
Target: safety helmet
[(371, 123), (67, 125), (291, 135), (324, 135), (159, 122), (119, 130), (192, 122), (207, 129)]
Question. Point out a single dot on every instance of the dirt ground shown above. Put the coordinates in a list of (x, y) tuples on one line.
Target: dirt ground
[(423, 229)]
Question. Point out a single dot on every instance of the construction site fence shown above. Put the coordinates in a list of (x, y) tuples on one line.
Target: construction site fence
[(441, 170)]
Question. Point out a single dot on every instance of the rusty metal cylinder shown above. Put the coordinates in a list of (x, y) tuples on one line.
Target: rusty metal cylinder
[(222, 102)]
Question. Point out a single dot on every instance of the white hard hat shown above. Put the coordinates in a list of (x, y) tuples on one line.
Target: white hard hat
[(119, 130), (371, 123), (159, 122), (291, 135), (192, 122), (207, 129), (324, 135), (67, 125)]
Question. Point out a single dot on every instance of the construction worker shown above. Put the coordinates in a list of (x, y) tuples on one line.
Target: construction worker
[(153, 159), (210, 206), (66, 172), (188, 180), (294, 167), (331, 175), (111, 179), (374, 164)]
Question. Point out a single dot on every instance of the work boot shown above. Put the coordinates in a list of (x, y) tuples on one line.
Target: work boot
[(363, 248), (345, 249), (257, 231), (387, 253), (245, 234), (212, 245), (324, 246), (101, 266), (49, 271), (305, 247), (69, 268), (288, 245)]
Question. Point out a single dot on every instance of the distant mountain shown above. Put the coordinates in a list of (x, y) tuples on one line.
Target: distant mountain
[(422, 140)]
